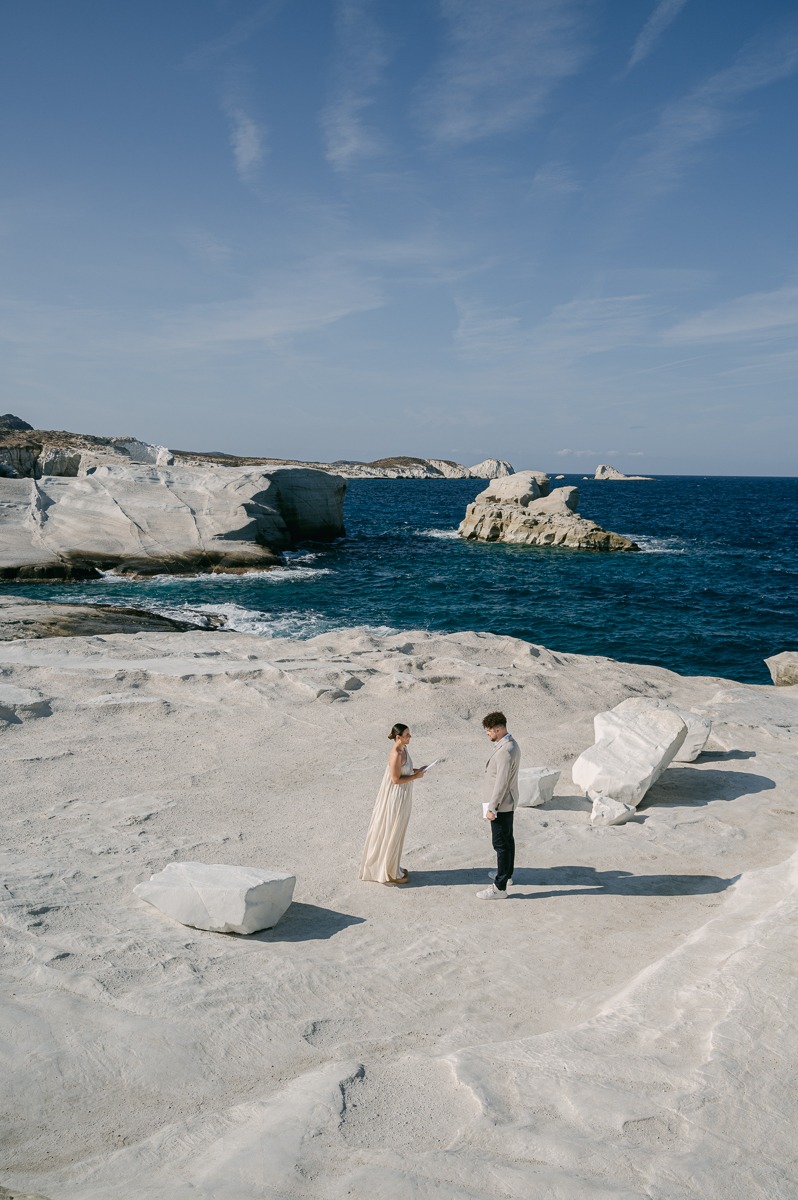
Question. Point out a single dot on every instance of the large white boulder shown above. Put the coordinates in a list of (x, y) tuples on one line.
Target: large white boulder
[(783, 668), (22, 704), (698, 727), (631, 752), (536, 785), (220, 898)]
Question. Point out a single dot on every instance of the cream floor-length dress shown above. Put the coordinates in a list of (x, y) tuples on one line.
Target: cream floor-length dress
[(382, 853)]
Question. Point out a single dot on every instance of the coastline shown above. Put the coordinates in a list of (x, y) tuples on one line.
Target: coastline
[(373, 1032)]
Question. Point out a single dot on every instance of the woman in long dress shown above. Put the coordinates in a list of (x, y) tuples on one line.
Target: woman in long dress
[(382, 853)]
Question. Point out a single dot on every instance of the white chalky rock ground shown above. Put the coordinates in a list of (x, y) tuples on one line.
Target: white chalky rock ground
[(631, 752), (20, 704), (645, 1041), (536, 786), (220, 898), (698, 727)]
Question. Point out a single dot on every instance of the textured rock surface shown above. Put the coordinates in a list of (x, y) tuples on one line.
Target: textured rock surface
[(21, 704), (603, 471), (141, 520), (631, 752), (25, 618), (783, 668), (27, 453), (9, 423), (520, 510), (698, 727), (224, 899), (536, 785)]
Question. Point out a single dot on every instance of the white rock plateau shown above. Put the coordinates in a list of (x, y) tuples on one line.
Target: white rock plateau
[(536, 786), (224, 899), (632, 750), (641, 1041)]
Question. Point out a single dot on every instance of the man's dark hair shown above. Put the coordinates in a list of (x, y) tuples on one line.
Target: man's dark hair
[(494, 720)]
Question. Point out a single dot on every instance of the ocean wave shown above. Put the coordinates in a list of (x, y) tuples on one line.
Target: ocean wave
[(658, 545), (283, 574), (292, 623), (438, 533)]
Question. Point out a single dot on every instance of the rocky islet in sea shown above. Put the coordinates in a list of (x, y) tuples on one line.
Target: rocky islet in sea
[(521, 510)]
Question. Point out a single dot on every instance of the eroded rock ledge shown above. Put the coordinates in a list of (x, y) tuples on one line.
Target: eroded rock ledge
[(144, 521), (521, 510)]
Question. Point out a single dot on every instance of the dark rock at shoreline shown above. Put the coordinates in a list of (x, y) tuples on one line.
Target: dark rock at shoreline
[(25, 618)]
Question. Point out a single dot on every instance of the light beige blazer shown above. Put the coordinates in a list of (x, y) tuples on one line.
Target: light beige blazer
[(500, 791)]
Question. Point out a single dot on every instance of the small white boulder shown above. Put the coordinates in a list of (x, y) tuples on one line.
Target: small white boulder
[(536, 786), (631, 752), (783, 668), (220, 898), (698, 728)]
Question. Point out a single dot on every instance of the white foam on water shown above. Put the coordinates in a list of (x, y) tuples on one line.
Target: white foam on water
[(293, 623), (438, 533), (658, 545)]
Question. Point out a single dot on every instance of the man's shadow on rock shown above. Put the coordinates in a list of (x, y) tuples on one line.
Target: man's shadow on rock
[(307, 923), (580, 881)]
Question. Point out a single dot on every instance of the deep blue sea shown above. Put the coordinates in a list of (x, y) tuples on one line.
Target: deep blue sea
[(713, 593)]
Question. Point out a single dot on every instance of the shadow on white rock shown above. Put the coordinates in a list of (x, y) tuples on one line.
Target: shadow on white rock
[(223, 899)]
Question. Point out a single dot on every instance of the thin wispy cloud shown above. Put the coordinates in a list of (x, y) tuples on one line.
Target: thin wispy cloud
[(298, 300), (501, 64), (706, 111), (361, 60), (665, 12), (247, 140), (758, 316), (555, 179), (239, 33)]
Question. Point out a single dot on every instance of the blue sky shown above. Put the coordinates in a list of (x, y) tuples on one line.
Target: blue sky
[(561, 232)]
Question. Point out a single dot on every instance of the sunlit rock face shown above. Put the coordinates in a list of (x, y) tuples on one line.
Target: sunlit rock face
[(148, 520), (520, 509)]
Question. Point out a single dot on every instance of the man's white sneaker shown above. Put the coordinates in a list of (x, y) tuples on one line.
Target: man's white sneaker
[(493, 874), (491, 893)]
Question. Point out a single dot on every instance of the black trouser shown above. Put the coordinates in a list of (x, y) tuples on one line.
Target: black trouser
[(501, 832)]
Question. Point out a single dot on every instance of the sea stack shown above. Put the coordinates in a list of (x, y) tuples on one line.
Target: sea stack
[(521, 510)]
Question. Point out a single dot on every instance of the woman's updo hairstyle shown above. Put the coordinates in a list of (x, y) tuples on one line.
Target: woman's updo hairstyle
[(397, 731)]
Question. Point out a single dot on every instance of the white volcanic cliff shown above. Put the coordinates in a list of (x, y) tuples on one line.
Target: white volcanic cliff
[(147, 520)]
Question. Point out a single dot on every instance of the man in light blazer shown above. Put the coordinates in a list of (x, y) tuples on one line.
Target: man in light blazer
[(500, 797)]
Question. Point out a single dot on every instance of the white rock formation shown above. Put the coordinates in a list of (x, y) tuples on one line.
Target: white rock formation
[(631, 752), (491, 468), (603, 471), (698, 727), (520, 510), (146, 520), (224, 899), (783, 668), (536, 785), (21, 704)]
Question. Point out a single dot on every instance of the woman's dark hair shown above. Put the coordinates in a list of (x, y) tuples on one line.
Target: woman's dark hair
[(397, 731)]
